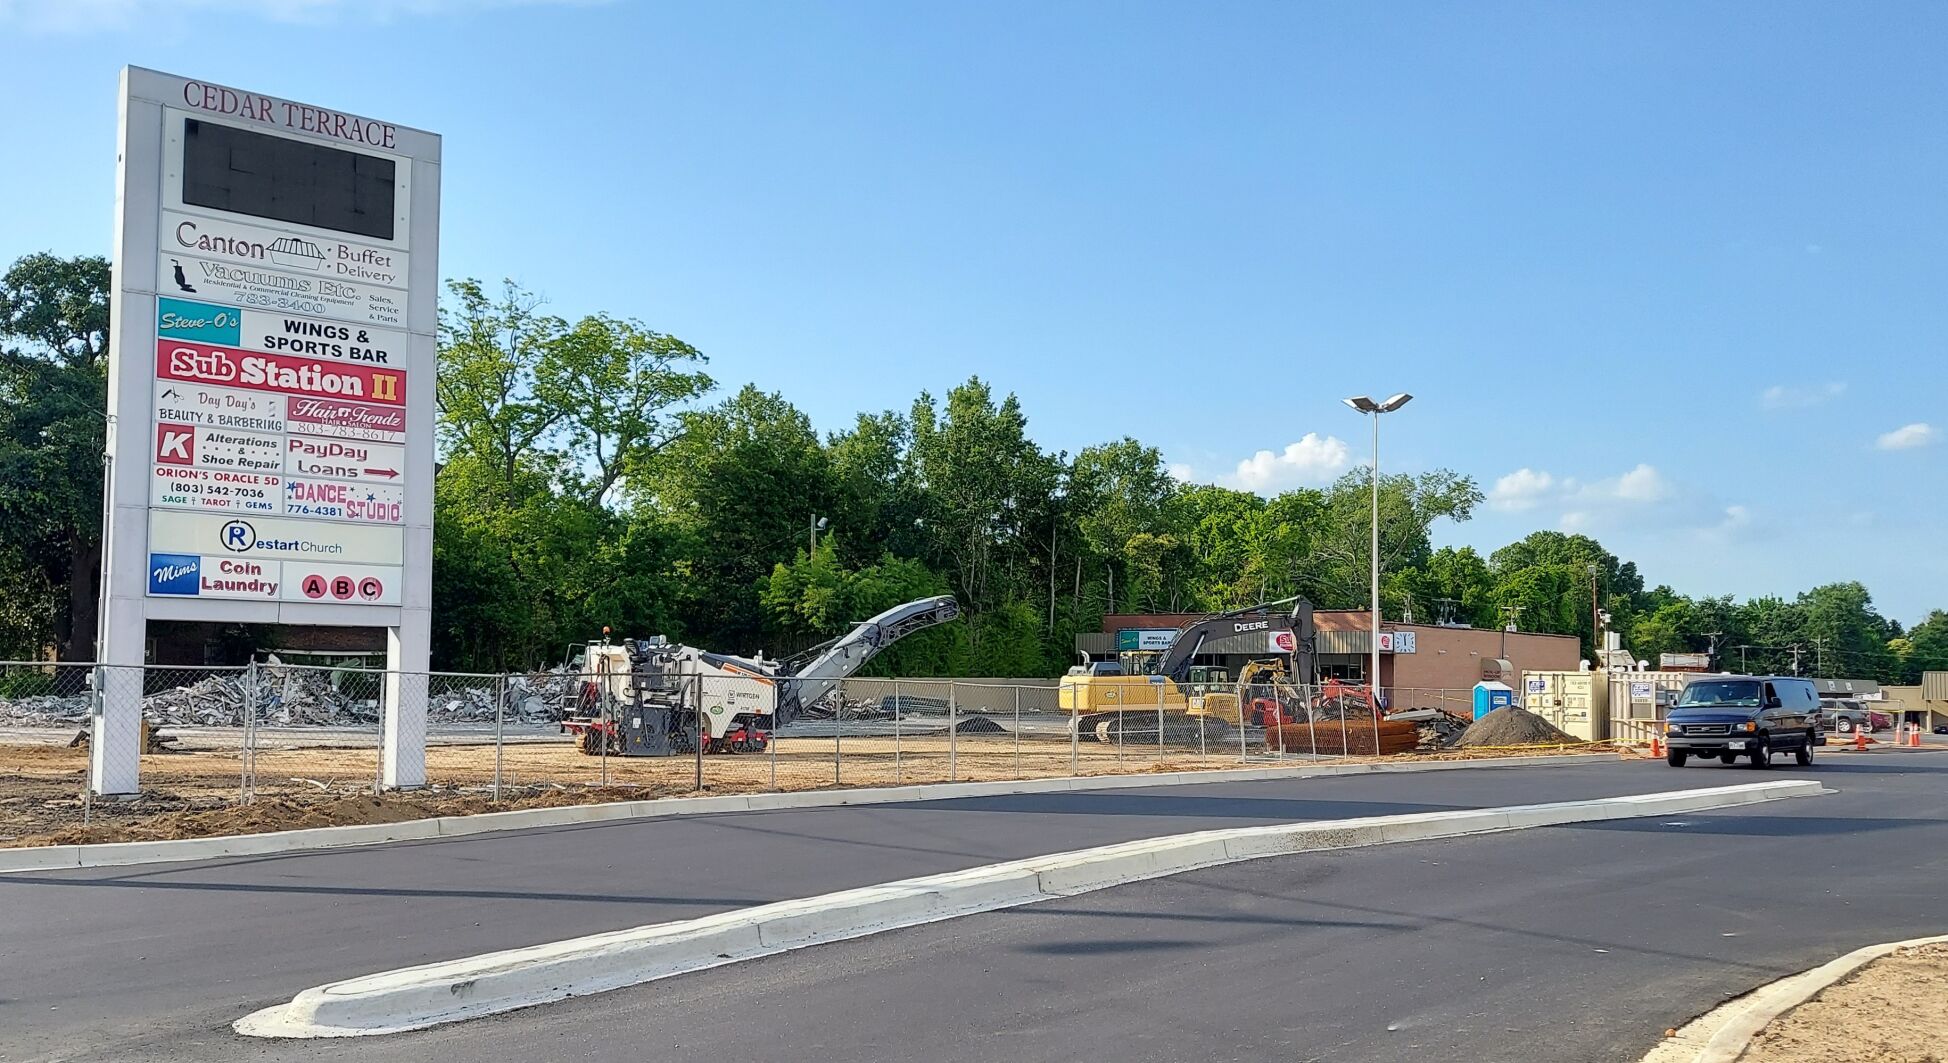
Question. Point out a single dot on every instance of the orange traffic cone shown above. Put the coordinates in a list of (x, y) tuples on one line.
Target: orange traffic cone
[(1860, 741), (1914, 736), (1656, 747)]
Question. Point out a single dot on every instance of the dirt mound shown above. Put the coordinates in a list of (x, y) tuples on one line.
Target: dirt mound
[(1513, 726), (979, 725)]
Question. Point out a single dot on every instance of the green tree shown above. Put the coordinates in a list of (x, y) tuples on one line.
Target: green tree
[(53, 377), (739, 488)]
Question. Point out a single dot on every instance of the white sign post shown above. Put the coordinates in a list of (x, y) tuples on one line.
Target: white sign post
[(270, 389)]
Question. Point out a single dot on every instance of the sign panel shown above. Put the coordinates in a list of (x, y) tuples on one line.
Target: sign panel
[(1141, 640), (342, 584), (346, 420), (1397, 641), (314, 254), (333, 500), (268, 288), (197, 363), (264, 330), (342, 459), (215, 490), (193, 446), (272, 538), (194, 404)]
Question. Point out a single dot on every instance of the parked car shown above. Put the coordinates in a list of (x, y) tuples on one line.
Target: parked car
[(1878, 721), (1845, 716), (1941, 728), (1726, 717)]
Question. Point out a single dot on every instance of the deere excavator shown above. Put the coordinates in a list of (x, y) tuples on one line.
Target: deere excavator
[(653, 698), (1126, 700)]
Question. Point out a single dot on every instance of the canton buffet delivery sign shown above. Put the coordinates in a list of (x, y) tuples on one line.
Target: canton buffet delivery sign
[(271, 399)]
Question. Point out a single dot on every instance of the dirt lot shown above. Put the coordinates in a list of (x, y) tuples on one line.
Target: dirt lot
[(197, 793), (1894, 1010)]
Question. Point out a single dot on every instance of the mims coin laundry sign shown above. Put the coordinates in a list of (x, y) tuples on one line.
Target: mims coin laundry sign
[(271, 371)]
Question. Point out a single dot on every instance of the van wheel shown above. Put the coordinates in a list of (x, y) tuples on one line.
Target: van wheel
[(1762, 756), (1676, 757), (1803, 756)]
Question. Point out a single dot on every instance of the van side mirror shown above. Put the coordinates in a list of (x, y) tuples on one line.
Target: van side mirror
[(1773, 702)]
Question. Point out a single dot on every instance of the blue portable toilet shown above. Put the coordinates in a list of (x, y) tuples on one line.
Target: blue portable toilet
[(1491, 695)]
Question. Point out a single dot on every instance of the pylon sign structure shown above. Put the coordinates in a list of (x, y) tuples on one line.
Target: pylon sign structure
[(270, 391)]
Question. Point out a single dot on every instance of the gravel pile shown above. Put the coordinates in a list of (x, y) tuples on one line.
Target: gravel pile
[(1513, 726)]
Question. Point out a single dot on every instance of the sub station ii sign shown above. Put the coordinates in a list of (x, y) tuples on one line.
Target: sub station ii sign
[(279, 354)]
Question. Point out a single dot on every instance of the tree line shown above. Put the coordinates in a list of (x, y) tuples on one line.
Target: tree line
[(592, 473)]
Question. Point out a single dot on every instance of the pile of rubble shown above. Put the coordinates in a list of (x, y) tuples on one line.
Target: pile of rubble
[(304, 697)]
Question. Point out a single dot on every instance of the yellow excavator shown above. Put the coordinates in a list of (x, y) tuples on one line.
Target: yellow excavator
[(1128, 698)]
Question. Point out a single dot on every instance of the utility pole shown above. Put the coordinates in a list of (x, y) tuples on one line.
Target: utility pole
[(1743, 669), (1596, 625), (1819, 656), (1797, 649), (1711, 649), (818, 525), (1374, 409), (1508, 625)]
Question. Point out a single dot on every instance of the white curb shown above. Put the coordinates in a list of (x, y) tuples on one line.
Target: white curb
[(111, 854), (1724, 1033), (417, 997)]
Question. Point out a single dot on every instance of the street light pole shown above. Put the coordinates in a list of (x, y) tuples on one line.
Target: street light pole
[(1367, 406)]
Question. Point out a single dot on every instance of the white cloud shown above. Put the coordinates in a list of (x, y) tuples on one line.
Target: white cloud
[(1311, 462), (1641, 484), (1908, 436), (1798, 397), (82, 16), (1522, 489)]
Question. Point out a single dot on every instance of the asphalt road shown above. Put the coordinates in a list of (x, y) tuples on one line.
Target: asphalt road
[(1566, 943), (94, 962)]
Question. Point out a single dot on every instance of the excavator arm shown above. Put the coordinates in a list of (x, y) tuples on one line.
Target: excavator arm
[(1192, 639)]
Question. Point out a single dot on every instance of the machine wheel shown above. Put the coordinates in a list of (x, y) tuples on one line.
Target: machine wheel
[(590, 742), (1676, 757), (1803, 756)]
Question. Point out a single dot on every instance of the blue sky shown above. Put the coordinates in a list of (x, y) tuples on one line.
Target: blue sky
[(1670, 274)]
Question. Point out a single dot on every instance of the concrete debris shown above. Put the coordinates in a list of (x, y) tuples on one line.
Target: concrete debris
[(289, 696)]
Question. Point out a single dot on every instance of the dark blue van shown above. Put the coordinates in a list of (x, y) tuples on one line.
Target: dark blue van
[(1728, 716)]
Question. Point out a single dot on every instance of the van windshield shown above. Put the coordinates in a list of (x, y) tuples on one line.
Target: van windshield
[(1743, 693)]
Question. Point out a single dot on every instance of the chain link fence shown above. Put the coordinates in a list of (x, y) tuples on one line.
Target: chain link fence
[(288, 736)]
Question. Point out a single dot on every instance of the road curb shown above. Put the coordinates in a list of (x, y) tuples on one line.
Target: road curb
[(1723, 1034), (115, 854), (418, 997)]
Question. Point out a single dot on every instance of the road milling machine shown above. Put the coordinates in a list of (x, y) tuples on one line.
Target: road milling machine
[(654, 698)]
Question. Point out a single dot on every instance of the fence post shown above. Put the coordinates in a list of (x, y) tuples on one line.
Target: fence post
[(838, 734), (1017, 730), (1244, 715), (247, 783), (605, 712), (899, 710), (500, 703), (772, 745), (703, 736), (953, 734), (1374, 708), (1075, 730), (1160, 723)]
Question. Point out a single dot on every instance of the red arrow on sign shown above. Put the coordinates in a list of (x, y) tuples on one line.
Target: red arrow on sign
[(387, 473)]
